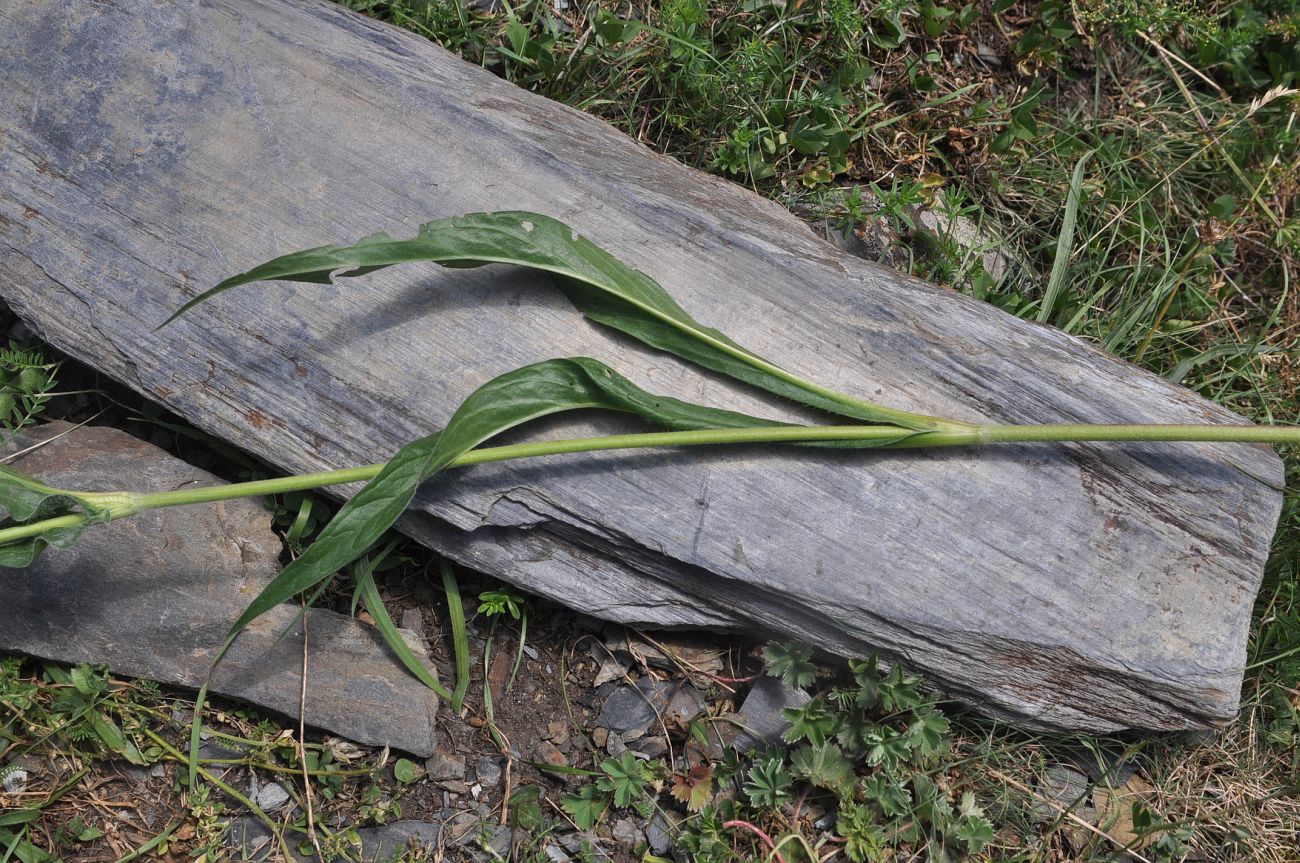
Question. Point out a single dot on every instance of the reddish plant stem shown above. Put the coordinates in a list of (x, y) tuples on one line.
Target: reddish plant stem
[(760, 834)]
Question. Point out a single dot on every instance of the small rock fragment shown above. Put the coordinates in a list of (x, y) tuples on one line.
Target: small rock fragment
[(651, 746), (501, 840), (761, 715), (488, 771), (413, 622), (610, 669), (272, 796), (660, 833), (462, 827), (444, 765), (966, 235), (625, 833), (198, 566), (631, 708), (557, 732), (686, 704), (551, 754), (386, 842), (1062, 788)]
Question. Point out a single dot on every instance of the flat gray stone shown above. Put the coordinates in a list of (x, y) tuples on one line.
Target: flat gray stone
[(1063, 789), (272, 796), (443, 765), (626, 833), (153, 596), (487, 771)]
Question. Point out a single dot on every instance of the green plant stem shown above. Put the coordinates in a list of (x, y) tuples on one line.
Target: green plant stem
[(1186, 433), (124, 503)]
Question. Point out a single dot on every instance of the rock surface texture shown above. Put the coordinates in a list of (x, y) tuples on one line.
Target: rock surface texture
[(153, 596), (150, 150)]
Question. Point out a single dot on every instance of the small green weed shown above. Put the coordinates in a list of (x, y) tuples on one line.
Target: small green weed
[(626, 782), (27, 380), (498, 603), (872, 750)]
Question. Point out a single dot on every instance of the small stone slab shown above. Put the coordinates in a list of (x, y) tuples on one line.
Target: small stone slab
[(763, 713), (153, 596)]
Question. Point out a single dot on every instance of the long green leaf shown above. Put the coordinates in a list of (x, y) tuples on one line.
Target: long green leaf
[(603, 308), (639, 305)]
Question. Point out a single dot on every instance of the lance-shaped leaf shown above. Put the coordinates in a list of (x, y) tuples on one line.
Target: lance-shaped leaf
[(534, 391), (541, 389), (600, 285)]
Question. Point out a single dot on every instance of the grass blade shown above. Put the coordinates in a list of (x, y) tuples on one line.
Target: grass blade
[(364, 572), (459, 635), (1064, 241), (544, 243)]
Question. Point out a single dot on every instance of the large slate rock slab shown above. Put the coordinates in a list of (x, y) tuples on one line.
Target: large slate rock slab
[(153, 596), (152, 149)]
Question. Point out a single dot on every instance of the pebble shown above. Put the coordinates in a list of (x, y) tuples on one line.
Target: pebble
[(272, 796), (610, 669), (488, 771), (631, 708), (762, 713), (413, 621), (659, 834), (462, 826), (557, 733), (651, 747), (687, 703), (551, 754), (501, 841), (1065, 787), (443, 765), (626, 833)]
